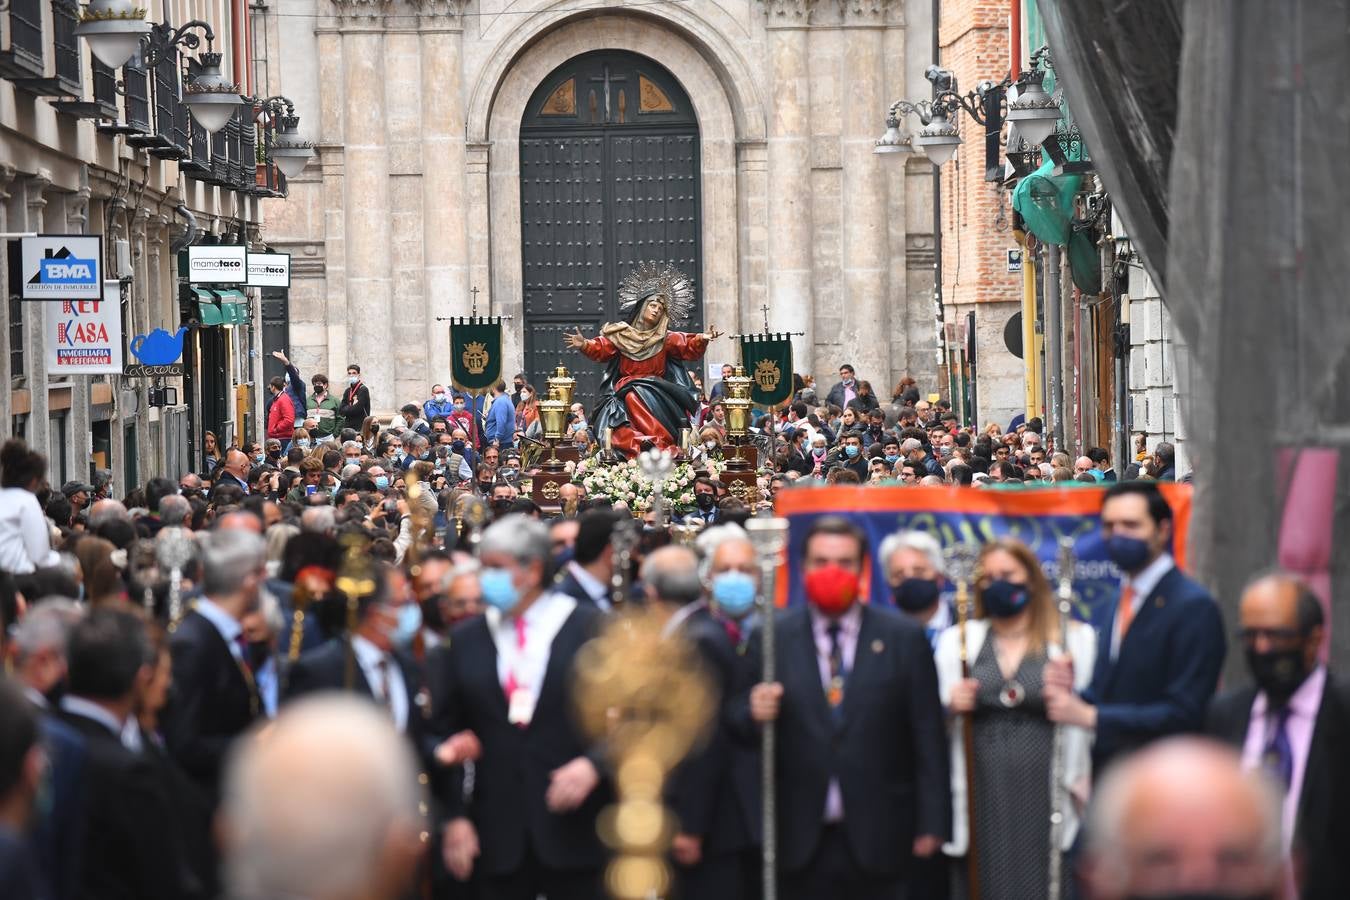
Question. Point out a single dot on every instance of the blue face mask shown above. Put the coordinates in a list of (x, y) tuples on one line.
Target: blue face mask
[(381, 482), (892, 458), (260, 458), (734, 593), (1130, 554), (457, 447), (499, 589), (409, 623), (1003, 599), (851, 450), (563, 557), (302, 443)]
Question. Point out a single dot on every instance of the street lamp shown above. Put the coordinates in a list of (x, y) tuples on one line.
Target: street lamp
[(287, 149), (1034, 112), (115, 32), (938, 138)]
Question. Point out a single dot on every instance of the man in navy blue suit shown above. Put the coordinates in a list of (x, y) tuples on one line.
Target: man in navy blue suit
[(1158, 663)]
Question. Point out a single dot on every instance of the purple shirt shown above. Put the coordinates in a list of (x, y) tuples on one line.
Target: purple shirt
[(1303, 708), (850, 623)]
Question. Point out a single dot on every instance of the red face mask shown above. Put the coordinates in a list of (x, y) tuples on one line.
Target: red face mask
[(832, 589)]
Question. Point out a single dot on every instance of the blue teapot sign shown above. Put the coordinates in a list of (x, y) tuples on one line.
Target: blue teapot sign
[(157, 352)]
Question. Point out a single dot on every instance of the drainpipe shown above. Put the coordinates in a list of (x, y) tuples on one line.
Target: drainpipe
[(189, 234)]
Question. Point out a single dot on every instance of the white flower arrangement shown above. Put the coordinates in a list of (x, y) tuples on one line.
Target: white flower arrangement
[(625, 481)]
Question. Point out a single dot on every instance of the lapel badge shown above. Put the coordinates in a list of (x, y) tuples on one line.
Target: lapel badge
[(878, 646)]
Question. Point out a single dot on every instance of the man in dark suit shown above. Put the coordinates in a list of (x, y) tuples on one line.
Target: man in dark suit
[(215, 698), (506, 677), (586, 577), (234, 470), (128, 851), (1158, 664), (377, 653), (1294, 721), (863, 782), (699, 792)]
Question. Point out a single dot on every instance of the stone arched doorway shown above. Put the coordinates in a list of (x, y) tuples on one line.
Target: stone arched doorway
[(609, 177)]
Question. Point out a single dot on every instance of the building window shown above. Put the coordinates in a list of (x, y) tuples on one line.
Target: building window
[(65, 16), (14, 290), (24, 56)]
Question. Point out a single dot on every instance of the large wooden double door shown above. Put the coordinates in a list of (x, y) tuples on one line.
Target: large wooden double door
[(609, 177)]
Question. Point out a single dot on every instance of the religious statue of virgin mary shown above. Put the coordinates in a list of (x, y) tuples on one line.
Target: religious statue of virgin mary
[(646, 396)]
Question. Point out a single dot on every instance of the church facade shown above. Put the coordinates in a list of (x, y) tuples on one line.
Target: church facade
[(521, 156)]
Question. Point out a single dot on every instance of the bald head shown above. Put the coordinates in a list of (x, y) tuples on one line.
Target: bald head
[(670, 575), (324, 804), (1182, 817)]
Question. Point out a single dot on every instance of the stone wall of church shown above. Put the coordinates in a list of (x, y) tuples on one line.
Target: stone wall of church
[(414, 201)]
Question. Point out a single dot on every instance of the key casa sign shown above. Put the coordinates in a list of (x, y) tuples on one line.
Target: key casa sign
[(218, 264), (84, 337), (62, 267)]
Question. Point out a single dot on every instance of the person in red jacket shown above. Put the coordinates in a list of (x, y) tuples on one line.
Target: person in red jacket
[(281, 417)]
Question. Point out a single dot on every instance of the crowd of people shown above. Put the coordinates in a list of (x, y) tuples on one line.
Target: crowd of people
[(338, 663)]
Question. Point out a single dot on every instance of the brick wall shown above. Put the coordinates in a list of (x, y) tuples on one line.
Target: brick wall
[(977, 215)]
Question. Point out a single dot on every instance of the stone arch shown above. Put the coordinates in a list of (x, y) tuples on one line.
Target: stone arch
[(493, 122)]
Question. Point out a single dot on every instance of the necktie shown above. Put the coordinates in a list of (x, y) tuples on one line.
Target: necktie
[(509, 686), (835, 693), (1126, 608), (1278, 756), (385, 695)]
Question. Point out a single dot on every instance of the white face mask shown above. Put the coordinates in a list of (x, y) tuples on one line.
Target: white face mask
[(440, 396), (353, 379), (711, 445)]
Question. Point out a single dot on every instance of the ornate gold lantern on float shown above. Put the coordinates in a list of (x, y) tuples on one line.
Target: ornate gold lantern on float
[(564, 386), (740, 454), (546, 487)]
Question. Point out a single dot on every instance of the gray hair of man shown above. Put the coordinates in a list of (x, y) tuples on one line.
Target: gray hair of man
[(106, 511), (270, 608), (319, 520), (173, 509), (671, 573), (460, 570), (712, 538), (520, 537), (1180, 759), (310, 811), (354, 445), (278, 536), (46, 627), (229, 558), (919, 542)]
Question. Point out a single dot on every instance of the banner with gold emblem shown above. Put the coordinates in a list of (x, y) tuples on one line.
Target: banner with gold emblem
[(767, 359), (475, 353)]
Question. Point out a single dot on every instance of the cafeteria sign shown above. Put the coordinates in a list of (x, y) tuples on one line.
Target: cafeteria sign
[(62, 267), (84, 337)]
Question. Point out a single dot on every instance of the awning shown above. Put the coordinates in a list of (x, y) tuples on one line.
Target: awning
[(234, 306), (207, 311)]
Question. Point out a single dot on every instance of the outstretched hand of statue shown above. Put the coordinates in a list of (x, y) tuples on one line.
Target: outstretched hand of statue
[(576, 340), (712, 333)]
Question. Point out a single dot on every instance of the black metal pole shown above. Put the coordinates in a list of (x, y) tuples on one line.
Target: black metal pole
[(939, 312)]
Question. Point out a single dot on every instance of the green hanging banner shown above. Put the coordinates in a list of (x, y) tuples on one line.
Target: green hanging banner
[(475, 353), (767, 359)]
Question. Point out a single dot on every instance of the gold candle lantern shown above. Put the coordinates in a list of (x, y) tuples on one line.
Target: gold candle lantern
[(737, 404), (553, 415), (564, 384)]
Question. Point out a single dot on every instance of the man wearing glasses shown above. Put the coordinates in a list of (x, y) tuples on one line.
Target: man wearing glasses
[(1158, 663)]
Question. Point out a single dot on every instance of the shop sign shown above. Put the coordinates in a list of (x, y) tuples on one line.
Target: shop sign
[(217, 264), (62, 267), (84, 337), (271, 270)]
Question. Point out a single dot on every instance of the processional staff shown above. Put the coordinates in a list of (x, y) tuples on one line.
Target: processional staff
[(769, 535)]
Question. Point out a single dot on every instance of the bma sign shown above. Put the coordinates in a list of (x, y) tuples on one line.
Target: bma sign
[(62, 267), (217, 265), (272, 270)]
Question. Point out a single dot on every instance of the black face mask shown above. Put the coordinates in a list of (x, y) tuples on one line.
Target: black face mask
[(485, 487), (706, 502), (1278, 672), (915, 594), (457, 446), (501, 507)]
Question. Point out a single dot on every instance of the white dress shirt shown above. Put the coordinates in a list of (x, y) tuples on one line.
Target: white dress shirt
[(1143, 585), (526, 666), (25, 538), (127, 731), (594, 588), (385, 679), (223, 622)]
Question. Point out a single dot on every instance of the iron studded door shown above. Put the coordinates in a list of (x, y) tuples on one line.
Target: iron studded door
[(609, 176)]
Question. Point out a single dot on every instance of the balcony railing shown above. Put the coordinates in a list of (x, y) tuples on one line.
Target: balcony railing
[(197, 164), (137, 82), (105, 89), (66, 47), (21, 56), (220, 158)]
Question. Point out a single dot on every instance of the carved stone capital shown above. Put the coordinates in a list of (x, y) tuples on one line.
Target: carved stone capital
[(439, 13), (788, 13), (34, 186), (366, 12), (7, 174), (865, 12)]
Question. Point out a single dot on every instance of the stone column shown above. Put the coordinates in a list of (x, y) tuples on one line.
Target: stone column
[(866, 314), (7, 173), (445, 212), (79, 434), (370, 301), (791, 305), (34, 326)]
